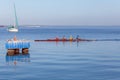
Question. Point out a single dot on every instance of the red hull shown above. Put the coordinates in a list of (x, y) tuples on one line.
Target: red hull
[(61, 40)]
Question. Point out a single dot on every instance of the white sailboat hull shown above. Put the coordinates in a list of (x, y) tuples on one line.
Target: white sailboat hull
[(15, 27), (13, 30)]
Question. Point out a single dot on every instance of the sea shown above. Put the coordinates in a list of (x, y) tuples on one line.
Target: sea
[(86, 60)]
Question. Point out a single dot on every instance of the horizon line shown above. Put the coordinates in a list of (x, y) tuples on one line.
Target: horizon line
[(60, 25)]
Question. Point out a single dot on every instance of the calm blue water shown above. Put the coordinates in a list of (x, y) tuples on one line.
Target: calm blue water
[(97, 60)]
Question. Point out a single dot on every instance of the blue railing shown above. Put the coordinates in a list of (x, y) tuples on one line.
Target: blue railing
[(17, 44)]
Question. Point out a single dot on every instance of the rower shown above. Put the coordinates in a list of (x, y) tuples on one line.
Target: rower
[(71, 38), (63, 38), (57, 39), (77, 38)]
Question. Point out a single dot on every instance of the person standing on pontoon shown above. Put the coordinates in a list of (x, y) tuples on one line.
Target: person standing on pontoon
[(15, 38)]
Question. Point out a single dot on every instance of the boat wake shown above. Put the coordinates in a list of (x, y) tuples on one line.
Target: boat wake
[(107, 39)]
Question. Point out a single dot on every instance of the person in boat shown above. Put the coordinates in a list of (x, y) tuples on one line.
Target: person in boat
[(77, 38), (71, 38), (57, 39), (64, 39)]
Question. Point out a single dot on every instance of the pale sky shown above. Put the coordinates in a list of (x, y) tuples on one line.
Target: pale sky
[(61, 12)]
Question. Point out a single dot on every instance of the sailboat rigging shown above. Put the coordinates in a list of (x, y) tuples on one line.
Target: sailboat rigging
[(14, 28)]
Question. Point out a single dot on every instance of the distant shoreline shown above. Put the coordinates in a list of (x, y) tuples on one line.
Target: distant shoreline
[(69, 25), (66, 26)]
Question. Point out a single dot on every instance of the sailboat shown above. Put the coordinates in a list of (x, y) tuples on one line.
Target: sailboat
[(14, 28)]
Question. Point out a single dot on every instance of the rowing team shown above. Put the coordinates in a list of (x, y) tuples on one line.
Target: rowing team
[(65, 39), (70, 39)]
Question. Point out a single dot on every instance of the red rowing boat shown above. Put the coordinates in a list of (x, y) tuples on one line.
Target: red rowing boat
[(62, 40)]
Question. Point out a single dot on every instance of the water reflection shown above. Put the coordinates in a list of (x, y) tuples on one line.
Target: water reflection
[(70, 43), (77, 43), (17, 58)]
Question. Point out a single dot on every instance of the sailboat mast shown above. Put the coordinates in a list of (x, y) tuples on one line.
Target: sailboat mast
[(16, 21)]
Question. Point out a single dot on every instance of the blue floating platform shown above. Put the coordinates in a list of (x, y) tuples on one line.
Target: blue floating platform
[(17, 44)]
